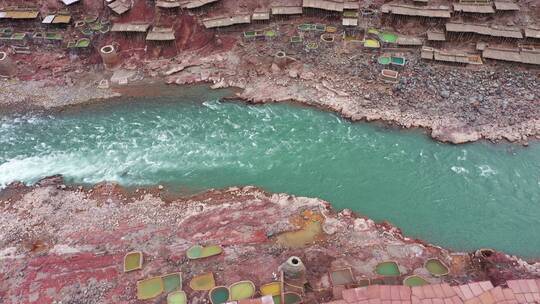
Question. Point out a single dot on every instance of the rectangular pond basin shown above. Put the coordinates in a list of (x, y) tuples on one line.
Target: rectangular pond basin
[(292, 298), (387, 269), (219, 295), (149, 288), (271, 289), (389, 75), (177, 297), (388, 37), (296, 39), (395, 60), (436, 267), (342, 277), (82, 43), (203, 281), (200, 252), (242, 290), (172, 282), (414, 280), (372, 44), (133, 261), (300, 238)]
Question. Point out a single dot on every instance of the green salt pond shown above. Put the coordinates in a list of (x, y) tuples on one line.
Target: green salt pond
[(133, 261), (219, 295), (306, 27), (83, 43), (296, 39), (270, 34), (388, 37), (18, 36), (384, 60), (203, 282), (371, 43), (312, 45), (292, 298), (172, 282), (397, 60), (436, 267), (242, 290), (320, 27), (149, 288), (415, 280), (90, 19), (200, 252), (177, 297), (389, 269)]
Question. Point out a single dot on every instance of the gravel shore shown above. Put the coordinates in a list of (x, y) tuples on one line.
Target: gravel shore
[(66, 244)]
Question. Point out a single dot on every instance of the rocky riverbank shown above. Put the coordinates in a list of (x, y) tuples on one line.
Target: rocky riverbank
[(456, 104), (66, 243)]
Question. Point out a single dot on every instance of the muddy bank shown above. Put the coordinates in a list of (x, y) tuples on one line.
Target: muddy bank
[(66, 243)]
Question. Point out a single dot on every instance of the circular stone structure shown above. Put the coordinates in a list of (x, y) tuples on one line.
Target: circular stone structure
[(327, 38), (109, 56), (294, 269), (281, 54), (280, 58)]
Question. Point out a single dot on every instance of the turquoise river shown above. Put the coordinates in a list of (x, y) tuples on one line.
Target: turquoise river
[(463, 197)]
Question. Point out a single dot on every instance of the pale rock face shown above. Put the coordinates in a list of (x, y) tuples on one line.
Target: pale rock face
[(346, 212), (293, 73), (332, 225), (455, 135), (64, 249), (361, 224), (9, 253)]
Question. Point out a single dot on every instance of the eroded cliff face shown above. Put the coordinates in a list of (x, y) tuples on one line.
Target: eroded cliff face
[(64, 243)]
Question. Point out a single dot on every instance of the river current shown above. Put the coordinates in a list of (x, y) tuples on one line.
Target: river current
[(463, 197)]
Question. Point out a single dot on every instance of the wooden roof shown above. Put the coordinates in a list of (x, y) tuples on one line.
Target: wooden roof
[(350, 22), (61, 19), (409, 10), (409, 40), (226, 21), (22, 14), (261, 15), (436, 36), (130, 27), (473, 8), (328, 5), (286, 10), (506, 6), (160, 34), (119, 7), (495, 31), (513, 55), (191, 4), (167, 4), (531, 32), (351, 5)]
